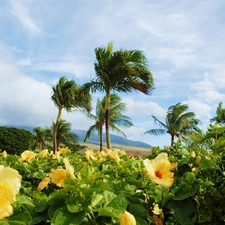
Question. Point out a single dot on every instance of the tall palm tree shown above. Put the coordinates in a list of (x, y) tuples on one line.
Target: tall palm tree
[(178, 122), (69, 96), (64, 134), (121, 71), (116, 117)]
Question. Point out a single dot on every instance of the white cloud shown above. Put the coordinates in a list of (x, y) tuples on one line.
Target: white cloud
[(135, 107), (206, 90), (22, 12)]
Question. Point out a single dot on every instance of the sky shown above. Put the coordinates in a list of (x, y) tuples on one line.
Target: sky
[(43, 40)]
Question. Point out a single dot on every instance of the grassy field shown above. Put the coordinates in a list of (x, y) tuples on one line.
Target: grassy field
[(136, 151)]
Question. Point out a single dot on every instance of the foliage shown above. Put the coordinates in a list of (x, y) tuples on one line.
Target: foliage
[(116, 117), (121, 71), (178, 122), (14, 140), (68, 95), (220, 114), (99, 187)]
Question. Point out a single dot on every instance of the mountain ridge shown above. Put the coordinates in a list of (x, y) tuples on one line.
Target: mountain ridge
[(94, 138)]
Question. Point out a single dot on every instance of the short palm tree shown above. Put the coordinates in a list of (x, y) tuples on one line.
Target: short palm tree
[(42, 136), (69, 96), (64, 134), (116, 117), (121, 71), (178, 122)]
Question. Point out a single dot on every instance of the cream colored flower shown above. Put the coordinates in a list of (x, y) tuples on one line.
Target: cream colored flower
[(90, 155), (57, 175), (43, 153), (28, 155), (159, 170), (69, 168), (127, 219), (43, 184), (63, 150), (10, 183), (156, 210), (113, 155), (4, 154)]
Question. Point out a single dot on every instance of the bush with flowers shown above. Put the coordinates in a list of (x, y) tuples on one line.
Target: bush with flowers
[(169, 187)]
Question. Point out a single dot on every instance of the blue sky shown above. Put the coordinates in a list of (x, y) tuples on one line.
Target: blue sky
[(42, 40)]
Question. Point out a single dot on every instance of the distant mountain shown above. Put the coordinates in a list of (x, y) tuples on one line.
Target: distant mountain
[(115, 139), (94, 138)]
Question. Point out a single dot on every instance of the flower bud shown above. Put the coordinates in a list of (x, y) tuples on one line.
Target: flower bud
[(198, 159), (127, 219)]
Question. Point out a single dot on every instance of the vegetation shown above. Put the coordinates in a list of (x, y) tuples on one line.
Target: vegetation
[(220, 114), (121, 71), (178, 122), (116, 117), (14, 140), (175, 186), (69, 96)]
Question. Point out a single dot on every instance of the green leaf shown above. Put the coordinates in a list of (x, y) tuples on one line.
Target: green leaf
[(97, 200), (183, 191), (114, 208), (63, 217), (75, 205), (183, 211), (205, 214), (188, 177), (140, 214), (20, 217), (206, 164)]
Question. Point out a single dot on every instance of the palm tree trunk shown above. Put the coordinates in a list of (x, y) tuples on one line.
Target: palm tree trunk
[(55, 143), (107, 114), (172, 139), (101, 138)]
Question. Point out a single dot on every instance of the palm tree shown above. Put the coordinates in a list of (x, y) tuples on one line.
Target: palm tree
[(116, 117), (42, 135), (220, 114), (178, 122), (64, 134), (121, 71), (68, 95)]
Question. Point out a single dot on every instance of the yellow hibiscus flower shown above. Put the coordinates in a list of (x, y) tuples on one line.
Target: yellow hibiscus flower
[(43, 183), (28, 155), (127, 219), (10, 184), (159, 170), (57, 175), (43, 153), (113, 155)]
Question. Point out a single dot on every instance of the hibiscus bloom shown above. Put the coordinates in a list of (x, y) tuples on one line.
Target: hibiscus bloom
[(43, 184), (113, 155), (28, 155), (127, 219), (57, 175), (159, 170), (10, 183), (43, 153)]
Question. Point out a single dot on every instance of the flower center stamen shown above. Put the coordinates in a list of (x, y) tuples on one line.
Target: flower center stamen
[(158, 174)]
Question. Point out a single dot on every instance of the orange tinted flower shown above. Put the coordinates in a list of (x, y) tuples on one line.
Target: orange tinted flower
[(57, 175), (43, 183), (159, 170)]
